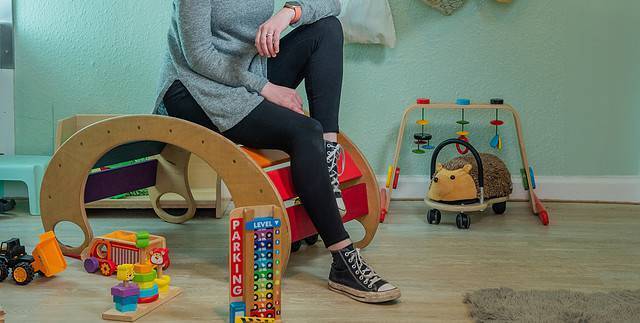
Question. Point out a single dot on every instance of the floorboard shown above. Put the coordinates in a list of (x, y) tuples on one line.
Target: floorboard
[(587, 247)]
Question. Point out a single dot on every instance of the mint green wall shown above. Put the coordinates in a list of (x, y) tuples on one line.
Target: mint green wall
[(571, 67)]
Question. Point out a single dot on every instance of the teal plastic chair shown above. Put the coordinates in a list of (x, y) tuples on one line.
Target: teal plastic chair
[(26, 169)]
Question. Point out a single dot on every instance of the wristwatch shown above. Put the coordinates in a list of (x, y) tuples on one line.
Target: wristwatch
[(297, 8)]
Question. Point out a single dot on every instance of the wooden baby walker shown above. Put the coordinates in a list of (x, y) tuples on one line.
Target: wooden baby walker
[(423, 142)]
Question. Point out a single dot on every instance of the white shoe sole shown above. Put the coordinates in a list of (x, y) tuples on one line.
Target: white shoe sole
[(365, 297)]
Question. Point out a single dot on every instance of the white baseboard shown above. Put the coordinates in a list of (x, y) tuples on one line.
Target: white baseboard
[(617, 189)]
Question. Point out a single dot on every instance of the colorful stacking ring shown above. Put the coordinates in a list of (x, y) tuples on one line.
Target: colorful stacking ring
[(422, 122), (497, 123)]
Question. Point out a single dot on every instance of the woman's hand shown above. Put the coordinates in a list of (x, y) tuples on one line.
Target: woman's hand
[(268, 36), (283, 96)]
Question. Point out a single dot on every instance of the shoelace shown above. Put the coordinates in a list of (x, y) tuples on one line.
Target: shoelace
[(332, 161), (367, 275)]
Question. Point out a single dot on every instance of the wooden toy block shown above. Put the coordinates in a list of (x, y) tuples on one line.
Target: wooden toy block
[(124, 308), (125, 272), (143, 278), (125, 291), (145, 293), (142, 268), (125, 300), (150, 299), (146, 285), (163, 281), (143, 309)]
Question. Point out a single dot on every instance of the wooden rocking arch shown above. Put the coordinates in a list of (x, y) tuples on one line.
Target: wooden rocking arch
[(63, 190)]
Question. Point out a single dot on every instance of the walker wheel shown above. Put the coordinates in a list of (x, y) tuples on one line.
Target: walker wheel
[(434, 216), (463, 221), (499, 208)]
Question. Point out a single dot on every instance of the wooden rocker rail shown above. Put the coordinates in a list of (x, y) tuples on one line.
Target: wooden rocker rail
[(67, 182)]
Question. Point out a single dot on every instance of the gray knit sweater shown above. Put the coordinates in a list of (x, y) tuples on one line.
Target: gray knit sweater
[(211, 51)]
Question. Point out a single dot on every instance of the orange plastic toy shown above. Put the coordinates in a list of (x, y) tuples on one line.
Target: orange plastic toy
[(46, 260)]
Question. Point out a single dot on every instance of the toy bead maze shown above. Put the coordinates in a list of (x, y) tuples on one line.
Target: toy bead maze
[(255, 264), (253, 177), (496, 142)]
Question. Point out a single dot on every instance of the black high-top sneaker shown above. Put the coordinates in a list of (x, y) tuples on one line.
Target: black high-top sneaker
[(333, 154), (352, 276)]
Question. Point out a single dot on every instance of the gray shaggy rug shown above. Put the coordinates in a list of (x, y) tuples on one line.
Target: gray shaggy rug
[(507, 305)]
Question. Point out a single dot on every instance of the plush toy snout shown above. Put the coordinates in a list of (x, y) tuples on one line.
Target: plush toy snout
[(452, 185)]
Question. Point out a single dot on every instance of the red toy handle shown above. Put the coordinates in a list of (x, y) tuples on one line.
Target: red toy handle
[(396, 178), (459, 148)]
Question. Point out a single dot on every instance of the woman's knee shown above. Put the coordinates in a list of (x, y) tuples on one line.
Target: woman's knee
[(309, 134), (330, 27)]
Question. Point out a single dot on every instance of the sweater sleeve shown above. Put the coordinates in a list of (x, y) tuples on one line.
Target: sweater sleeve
[(194, 29), (314, 10)]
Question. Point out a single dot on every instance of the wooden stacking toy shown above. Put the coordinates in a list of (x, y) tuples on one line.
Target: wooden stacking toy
[(255, 264), (150, 287)]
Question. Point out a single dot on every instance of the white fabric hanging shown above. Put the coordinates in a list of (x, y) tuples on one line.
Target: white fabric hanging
[(368, 22)]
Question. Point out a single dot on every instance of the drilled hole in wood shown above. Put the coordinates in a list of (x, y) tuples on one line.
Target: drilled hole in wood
[(81, 143), (139, 127), (261, 191), (203, 142), (234, 161), (108, 131), (59, 165), (170, 130), (49, 196)]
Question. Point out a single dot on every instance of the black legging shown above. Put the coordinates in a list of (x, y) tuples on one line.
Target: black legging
[(313, 53)]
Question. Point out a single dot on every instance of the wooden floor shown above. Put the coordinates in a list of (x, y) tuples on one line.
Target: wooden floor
[(586, 248)]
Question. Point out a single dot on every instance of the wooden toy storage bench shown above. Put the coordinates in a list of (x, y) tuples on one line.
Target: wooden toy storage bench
[(68, 184)]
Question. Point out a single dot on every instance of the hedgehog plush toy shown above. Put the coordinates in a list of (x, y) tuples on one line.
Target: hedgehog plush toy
[(456, 181)]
